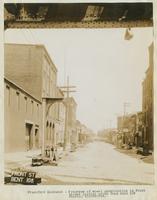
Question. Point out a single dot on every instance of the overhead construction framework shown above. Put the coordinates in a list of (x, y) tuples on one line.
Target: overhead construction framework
[(78, 15)]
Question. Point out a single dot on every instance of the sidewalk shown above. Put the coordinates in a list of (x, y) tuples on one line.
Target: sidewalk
[(18, 160), (132, 153), (24, 159)]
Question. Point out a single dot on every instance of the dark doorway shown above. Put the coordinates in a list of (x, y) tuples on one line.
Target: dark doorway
[(29, 137), (36, 138)]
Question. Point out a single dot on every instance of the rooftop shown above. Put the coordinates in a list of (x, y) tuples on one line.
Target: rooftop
[(35, 45)]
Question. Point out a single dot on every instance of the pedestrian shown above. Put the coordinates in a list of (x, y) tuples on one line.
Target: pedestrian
[(53, 150)]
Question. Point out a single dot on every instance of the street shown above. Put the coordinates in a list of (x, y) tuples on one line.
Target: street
[(97, 163)]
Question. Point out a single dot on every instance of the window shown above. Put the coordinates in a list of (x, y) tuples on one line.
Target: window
[(37, 110), (18, 99), (25, 103), (8, 94), (47, 130), (32, 106)]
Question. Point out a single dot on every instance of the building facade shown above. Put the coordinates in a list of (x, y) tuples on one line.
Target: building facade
[(60, 120), (22, 119), (147, 103), (139, 137), (71, 120), (126, 130), (31, 68)]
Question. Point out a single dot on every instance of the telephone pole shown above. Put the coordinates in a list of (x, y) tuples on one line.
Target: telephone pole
[(67, 90), (125, 105)]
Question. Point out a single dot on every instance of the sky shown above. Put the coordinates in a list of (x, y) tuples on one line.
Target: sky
[(106, 69)]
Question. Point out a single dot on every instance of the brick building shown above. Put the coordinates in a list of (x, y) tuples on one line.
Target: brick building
[(127, 129), (22, 119), (139, 142), (147, 102), (60, 119), (71, 120), (30, 67)]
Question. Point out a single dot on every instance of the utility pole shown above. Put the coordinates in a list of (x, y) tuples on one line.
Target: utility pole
[(67, 89), (125, 105)]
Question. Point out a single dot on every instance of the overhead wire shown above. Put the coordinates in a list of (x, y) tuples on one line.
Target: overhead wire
[(32, 35), (23, 33)]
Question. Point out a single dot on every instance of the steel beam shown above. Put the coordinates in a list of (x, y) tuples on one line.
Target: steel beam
[(104, 24)]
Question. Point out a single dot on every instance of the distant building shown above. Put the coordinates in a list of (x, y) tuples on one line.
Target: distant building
[(147, 103), (84, 134), (127, 128), (79, 131), (120, 123), (139, 142), (72, 133), (137, 129), (60, 120)]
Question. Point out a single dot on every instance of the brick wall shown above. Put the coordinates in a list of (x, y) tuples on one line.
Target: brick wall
[(23, 66)]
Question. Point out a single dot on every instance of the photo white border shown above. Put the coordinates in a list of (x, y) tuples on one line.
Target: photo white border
[(21, 192)]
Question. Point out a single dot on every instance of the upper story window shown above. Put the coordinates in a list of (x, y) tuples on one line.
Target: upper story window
[(37, 110), (18, 99), (8, 94), (25, 98), (32, 106)]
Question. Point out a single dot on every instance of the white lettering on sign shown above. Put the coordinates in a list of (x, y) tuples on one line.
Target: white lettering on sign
[(16, 173), (24, 174), (31, 174), (16, 179), (23, 177), (30, 180)]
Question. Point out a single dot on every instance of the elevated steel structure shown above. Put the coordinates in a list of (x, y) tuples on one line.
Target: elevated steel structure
[(78, 15)]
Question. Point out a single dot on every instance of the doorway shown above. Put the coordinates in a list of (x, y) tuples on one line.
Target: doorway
[(36, 138), (29, 136)]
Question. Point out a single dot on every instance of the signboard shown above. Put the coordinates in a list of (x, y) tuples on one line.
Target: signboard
[(23, 177)]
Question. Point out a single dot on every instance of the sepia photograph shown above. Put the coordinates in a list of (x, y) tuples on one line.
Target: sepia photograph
[(79, 93)]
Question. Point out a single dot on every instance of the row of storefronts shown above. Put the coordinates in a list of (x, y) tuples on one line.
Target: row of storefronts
[(135, 130), (130, 131)]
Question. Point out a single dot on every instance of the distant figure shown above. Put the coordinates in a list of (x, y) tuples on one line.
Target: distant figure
[(53, 150), (47, 151)]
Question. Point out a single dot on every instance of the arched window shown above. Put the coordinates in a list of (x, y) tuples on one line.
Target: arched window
[(47, 129), (50, 134)]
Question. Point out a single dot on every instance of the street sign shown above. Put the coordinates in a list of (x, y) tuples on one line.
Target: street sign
[(23, 177)]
